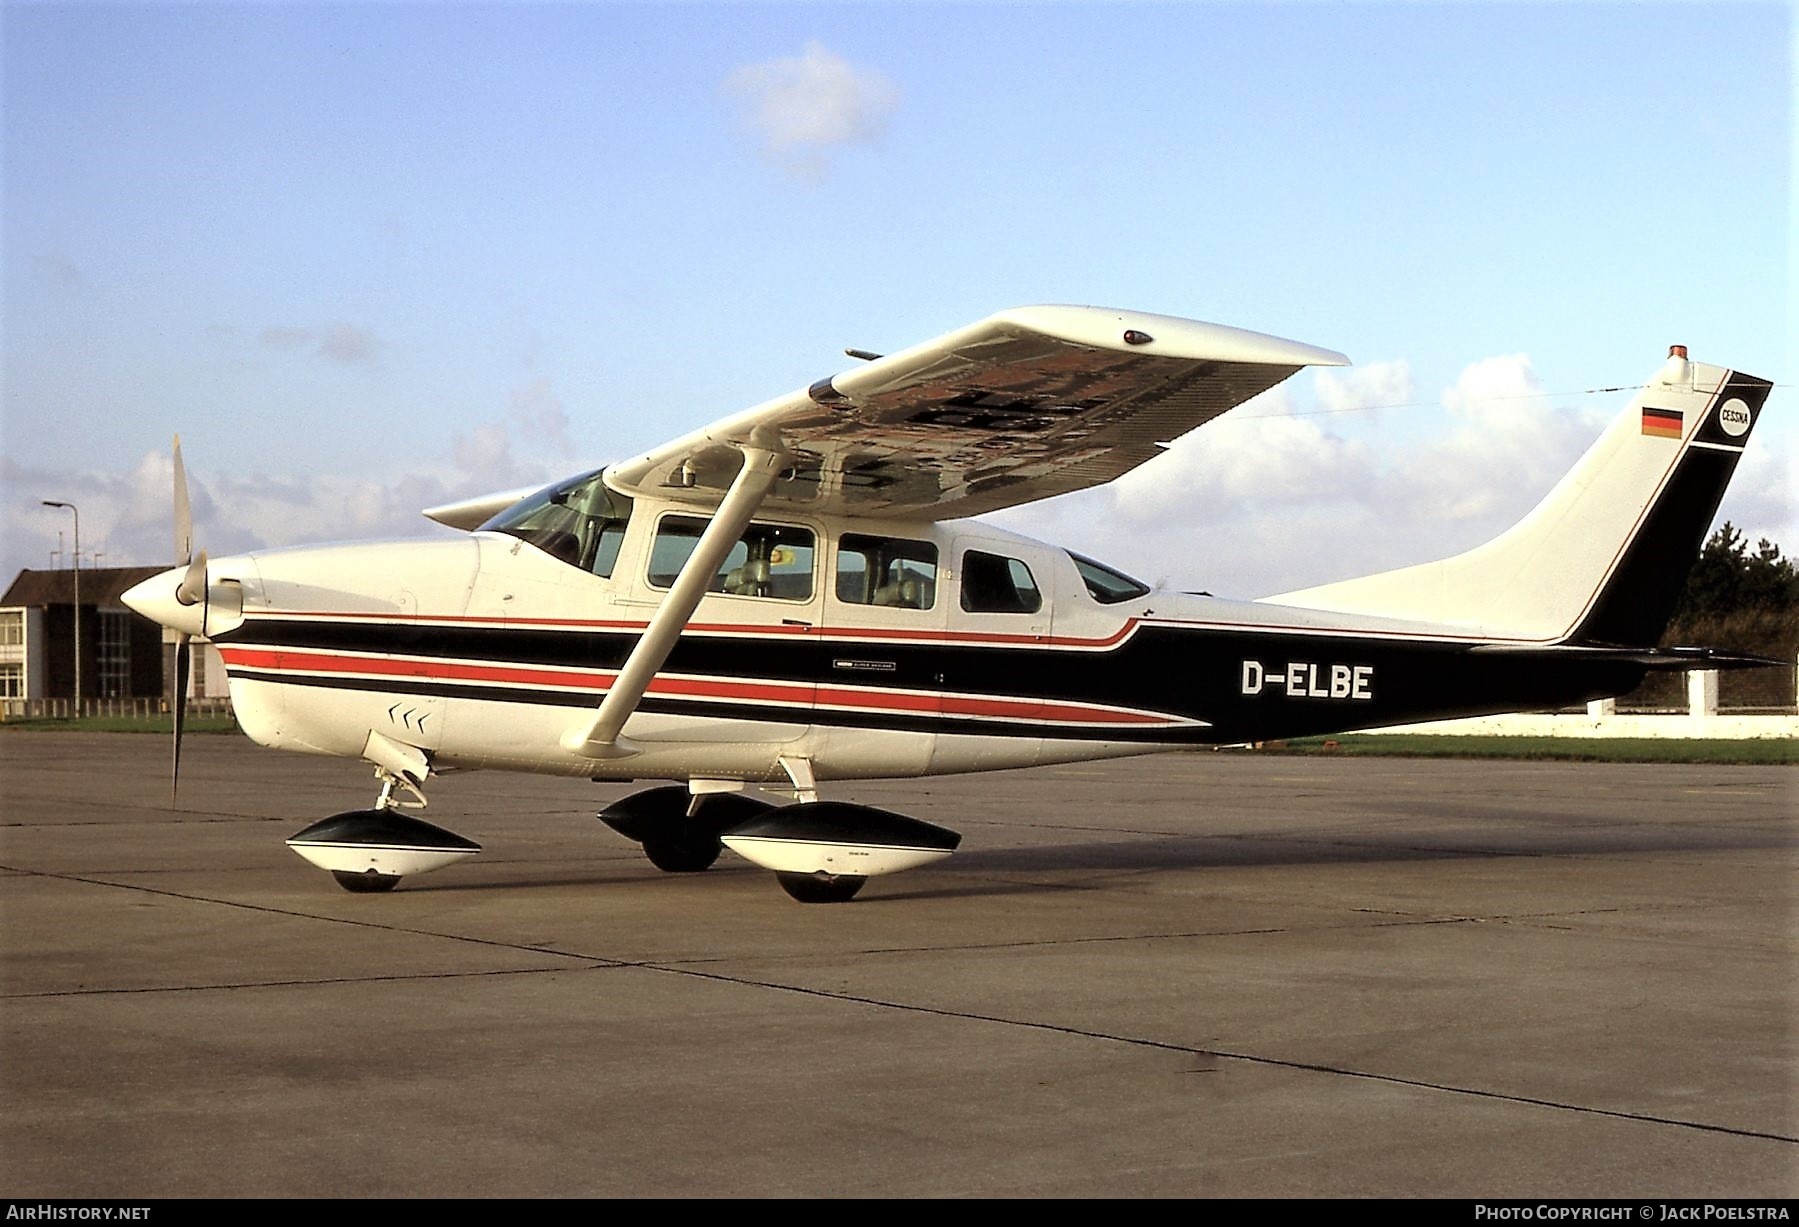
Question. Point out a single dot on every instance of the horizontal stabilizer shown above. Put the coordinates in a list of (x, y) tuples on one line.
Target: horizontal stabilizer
[(1666, 660)]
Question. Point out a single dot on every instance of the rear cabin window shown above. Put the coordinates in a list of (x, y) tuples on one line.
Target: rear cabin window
[(992, 584), (1105, 585), (769, 560), (888, 571), (579, 521)]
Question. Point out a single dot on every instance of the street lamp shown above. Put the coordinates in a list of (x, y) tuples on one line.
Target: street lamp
[(53, 503)]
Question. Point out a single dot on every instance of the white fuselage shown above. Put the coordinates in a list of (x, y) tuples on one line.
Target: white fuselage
[(737, 723)]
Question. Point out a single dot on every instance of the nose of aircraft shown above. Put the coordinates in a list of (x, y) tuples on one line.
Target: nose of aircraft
[(156, 599)]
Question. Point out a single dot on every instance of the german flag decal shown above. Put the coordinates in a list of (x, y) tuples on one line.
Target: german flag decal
[(1664, 423)]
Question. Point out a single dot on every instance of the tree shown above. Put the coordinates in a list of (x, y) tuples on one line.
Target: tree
[(1728, 580)]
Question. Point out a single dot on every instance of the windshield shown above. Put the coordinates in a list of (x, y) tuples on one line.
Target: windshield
[(579, 521), (1105, 585)]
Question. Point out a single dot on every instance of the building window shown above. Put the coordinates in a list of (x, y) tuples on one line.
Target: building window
[(12, 681), (115, 653), (12, 628)]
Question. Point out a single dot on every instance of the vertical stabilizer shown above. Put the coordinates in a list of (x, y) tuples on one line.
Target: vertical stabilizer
[(1601, 560)]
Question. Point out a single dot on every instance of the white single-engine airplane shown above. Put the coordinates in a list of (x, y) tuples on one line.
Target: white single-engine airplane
[(795, 595)]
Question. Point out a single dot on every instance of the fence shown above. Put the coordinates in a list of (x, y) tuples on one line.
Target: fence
[(64, 709), (1770, 689), (1695, 713)]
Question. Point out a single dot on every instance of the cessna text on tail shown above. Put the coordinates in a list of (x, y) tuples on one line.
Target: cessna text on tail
[(795, 595)]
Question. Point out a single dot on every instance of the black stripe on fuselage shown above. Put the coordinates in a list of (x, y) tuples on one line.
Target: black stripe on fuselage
[(1185, 672), (771, 713)]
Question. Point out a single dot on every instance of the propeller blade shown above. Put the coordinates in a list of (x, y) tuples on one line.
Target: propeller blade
[(184, 516), (192, 589), (183, 654)]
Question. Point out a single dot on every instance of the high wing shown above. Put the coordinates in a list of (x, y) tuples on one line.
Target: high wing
[(1026, 404)]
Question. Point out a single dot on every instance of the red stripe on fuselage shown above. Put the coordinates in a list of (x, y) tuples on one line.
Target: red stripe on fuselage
[(597, 681)]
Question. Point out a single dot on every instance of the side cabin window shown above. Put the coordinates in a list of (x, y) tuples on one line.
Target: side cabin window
[(1105, 585), (886, 571), (769, 560), (579, 521), (992, 584)]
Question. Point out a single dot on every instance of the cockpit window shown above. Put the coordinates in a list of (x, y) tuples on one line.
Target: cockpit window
[(1105, 585), (579, 521)]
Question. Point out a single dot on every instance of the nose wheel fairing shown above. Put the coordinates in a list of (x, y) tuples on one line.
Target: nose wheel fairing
[(372, 849)]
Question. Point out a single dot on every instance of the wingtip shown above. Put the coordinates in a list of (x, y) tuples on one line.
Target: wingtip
[(1168, 336)]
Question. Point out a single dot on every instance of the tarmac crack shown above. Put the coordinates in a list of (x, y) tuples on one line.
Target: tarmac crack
[(598, 962), (1225, 1055), (295, 914), (583, 963)]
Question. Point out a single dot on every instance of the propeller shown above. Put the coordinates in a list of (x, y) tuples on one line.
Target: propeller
[(192, 591)]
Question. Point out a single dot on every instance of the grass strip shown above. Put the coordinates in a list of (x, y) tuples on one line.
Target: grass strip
[(1766, 751)]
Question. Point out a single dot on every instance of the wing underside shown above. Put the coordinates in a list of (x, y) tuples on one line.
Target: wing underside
[(1024, 405)]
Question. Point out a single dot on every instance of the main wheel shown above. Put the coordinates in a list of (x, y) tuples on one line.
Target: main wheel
[(369, 883), (684, 849), (820, 887)]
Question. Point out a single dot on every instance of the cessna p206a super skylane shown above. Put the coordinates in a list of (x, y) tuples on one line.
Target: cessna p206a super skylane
[(795, 595)]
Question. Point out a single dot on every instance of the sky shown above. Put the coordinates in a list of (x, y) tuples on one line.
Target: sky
[(367, 258)]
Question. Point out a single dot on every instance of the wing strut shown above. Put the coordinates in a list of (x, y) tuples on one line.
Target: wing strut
[(599, 738)]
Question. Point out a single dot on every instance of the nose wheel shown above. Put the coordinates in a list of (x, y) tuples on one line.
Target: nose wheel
[(370, 883), (821, 887)]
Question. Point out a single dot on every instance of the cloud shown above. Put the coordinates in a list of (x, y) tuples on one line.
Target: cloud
[(339, 342), (1506, 446), (130, 515), (347, 343), (803, 109), (1371, 385), (1275, 495), (538, 414), (1264, 457), (287, 338), (1278, 495), (61, 271)]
